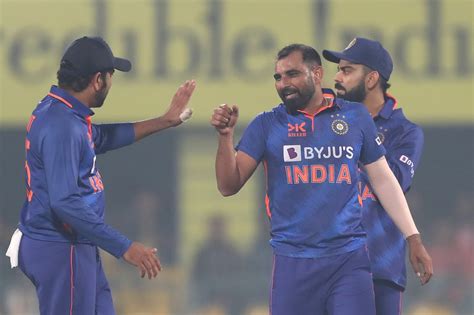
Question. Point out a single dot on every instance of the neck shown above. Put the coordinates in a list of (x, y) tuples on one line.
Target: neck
[(316, 102), (374, 102), (82, 97)]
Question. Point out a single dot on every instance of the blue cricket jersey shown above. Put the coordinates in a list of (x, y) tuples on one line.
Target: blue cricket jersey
[(312, 175), (403, 141), (64, 190)]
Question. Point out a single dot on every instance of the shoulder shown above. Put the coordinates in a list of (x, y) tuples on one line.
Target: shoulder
[(58, 119), (278, 112), (355, 113), (404, 125), (355, 108)]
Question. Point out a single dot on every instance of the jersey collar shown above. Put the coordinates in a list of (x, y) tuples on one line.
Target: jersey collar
[(330, 97), (70, 101), (387, 109)]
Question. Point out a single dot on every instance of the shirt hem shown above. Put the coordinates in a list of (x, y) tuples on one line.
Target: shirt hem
[(309, 254)]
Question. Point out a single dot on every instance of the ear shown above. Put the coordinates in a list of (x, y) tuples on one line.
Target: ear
[(97, 82), (372, 80), (318, 73)]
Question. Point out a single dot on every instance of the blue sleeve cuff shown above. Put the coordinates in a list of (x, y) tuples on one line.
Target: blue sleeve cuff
[(125, 246)]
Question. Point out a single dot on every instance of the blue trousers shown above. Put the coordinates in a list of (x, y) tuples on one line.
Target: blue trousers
[(336, 285), (68, 278), (388, 297)]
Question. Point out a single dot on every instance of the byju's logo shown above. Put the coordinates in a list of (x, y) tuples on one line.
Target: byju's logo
[(292, 153)]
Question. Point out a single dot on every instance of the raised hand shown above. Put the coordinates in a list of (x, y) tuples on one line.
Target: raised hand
[(178, 112), (144, 258), (225, 118)]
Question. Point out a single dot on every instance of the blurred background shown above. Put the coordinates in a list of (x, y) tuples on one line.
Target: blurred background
[(162, 191)]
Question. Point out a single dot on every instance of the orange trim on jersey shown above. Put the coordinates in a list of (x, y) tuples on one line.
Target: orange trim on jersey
[(27, 144), (29, 192), (91, 181), (329, 98), (395, 102), (59, 98), (98, 182), (28, 173), (89, 128), (30, 122), (29, 195), (312, 121), (267, 199), (267, 206), (360, 199)]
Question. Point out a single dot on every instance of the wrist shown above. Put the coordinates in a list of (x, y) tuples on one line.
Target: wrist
[(164, 122), (415, 237), (228, 134)]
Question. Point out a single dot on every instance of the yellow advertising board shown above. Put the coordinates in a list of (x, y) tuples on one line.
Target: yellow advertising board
[(229, 46)]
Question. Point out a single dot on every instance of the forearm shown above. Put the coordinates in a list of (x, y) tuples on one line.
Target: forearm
[(84, 221), (147, 127), (227, 173), (391, 196)]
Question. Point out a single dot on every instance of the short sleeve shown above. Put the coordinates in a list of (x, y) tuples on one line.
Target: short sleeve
[(253, 140), (405, 154), (112, 136), (372, 148)]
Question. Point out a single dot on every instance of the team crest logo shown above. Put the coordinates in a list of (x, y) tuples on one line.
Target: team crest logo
[(352, 43), (340, 127), (381, 136)]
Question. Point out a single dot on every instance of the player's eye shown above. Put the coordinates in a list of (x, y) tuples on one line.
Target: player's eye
[(293, 73)]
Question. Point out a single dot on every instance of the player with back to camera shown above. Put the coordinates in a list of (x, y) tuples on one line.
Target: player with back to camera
[(62, 220), (364, 69), (310, 146)]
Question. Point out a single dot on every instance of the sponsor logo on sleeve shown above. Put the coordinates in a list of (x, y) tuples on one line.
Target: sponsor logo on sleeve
[(404, 159), (378, 140)]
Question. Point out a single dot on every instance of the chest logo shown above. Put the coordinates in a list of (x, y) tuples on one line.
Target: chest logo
[(340, 127), (297, 130), (381, 136), (292, 153)]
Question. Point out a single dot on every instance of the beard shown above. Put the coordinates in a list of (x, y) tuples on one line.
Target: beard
[(299, 99), (356, 94), (100, 96)]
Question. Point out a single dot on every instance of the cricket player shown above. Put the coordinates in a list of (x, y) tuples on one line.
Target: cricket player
[(310, 146), (62, 220), (363, 72)]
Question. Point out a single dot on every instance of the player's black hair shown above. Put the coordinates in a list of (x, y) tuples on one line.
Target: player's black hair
[(69, 79), (384, 85), (310, 55)]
